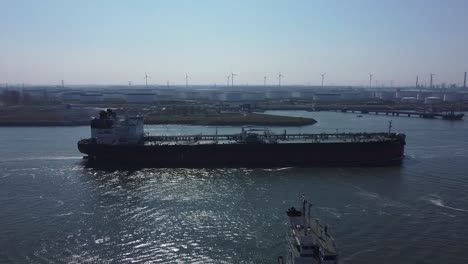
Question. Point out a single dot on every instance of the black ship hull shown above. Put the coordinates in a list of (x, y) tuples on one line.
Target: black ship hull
[(382, 153)]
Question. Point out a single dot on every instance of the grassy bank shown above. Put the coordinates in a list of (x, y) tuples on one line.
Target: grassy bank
[(61, 115), (231, 119)]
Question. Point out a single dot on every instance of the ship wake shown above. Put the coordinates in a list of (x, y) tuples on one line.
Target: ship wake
[(437, 201), (278, 169)]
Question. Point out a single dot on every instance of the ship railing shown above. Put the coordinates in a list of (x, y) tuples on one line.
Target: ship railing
[(189, 138)]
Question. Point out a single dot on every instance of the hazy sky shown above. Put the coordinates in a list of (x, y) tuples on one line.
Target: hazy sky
[(112, 42)]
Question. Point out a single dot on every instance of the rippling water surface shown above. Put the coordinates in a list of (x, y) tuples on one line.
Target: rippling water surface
[(56, 209)]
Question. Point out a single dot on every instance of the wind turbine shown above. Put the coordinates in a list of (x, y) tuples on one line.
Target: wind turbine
[(146, 79), (370, 79), (279, 78), (264, 81), (323, 77), (232, 78), (129, 83), (186, 80), (228, 78)]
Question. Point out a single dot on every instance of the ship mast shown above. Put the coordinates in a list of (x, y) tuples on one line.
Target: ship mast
[(304, 201)]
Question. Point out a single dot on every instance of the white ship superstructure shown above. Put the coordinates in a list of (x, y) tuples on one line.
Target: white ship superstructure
[(110, 130)]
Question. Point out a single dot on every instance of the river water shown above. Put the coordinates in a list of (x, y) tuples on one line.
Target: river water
[(54, 209)]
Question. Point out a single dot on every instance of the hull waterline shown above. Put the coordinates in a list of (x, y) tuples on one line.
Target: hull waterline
[(248, 155)]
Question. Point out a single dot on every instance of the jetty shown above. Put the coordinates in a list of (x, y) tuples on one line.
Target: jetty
[(430, 115)]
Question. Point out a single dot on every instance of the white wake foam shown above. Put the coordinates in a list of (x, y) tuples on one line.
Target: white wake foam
[(278, 169), (437, 200)]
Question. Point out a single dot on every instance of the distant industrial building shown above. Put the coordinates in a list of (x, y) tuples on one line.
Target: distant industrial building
[(406, 93), (73, 96), (141, 95), (432, 100), (231, 96), (307, 94), (188, 95), (140, 98), (253, 96), (209, 94), (409, 100), (165, 94), (278, 94), (36, 93), (113, 97), (327, 97), (385, 95), (355, 95), (91, 97)]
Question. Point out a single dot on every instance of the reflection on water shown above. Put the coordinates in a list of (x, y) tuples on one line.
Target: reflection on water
[(55, 209)]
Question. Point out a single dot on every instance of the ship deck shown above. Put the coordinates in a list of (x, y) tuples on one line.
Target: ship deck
[(314, 233), (325, 239), (280, 139)]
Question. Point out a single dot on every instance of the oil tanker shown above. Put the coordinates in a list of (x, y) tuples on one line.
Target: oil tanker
[(122, 141)]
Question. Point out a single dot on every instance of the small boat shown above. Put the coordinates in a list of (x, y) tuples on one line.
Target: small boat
[(359, 116), (308, 240)]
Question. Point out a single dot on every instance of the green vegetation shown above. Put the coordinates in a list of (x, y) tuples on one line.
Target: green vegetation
[(232, 119), (65, 115)]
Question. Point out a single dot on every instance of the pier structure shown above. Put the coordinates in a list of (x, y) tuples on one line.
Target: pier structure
[(448, 116)]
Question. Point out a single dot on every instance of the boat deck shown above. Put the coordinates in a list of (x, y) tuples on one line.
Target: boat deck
[(281, 139), (325, 239)]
